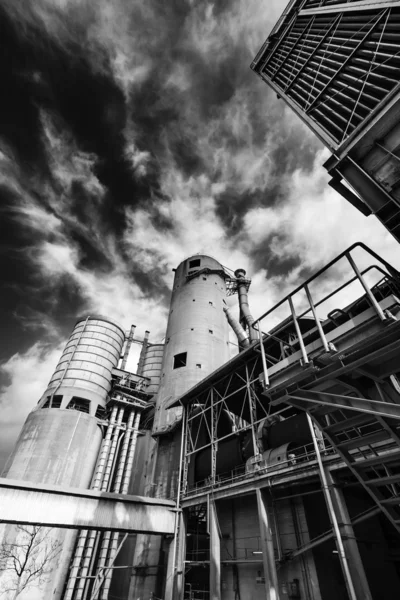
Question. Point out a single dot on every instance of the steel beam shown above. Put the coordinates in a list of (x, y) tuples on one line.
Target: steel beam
[(350, 7), (365, 405), (72, 508)]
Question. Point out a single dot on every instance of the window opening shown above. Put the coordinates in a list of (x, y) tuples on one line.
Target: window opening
[(80, 404), (100, 413), (56, 402), (211, 331), (211, 304), (198, 366), (194, 263), (180, 360)]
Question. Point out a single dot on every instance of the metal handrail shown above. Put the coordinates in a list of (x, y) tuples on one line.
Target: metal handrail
[(304, 286), (392, 271)]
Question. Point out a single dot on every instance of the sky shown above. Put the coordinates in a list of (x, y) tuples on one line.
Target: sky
[(132, 135)]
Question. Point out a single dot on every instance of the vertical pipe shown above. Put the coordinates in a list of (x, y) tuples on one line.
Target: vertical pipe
[(370, 295), (215, 554), (104, 451), (124, 452), (110, 460), (297, 327), (131, 455), (113, 544), (143, 353), (332, 515), (95, 486), (98, 582), (128, 345), (104, 488), (244, 303), (76, 564), (317, 321), (263, 357), (267, 545)]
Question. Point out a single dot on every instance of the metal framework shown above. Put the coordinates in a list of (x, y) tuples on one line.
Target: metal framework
[(304, 364), (335, 62), (337, 65)]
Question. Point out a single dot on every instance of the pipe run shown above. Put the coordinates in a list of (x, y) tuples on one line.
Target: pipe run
[(244, 303), (240, 333)]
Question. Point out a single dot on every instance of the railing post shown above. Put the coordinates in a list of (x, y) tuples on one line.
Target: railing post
[(297, 327), (314, 312), (370, 295)]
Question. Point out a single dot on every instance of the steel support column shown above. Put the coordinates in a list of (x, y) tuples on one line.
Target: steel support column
[(215, 553), (267, 545), (332, 516), (356, 566)]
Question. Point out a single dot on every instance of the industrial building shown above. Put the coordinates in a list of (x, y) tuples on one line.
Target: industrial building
[(337, 65), (271, 474)]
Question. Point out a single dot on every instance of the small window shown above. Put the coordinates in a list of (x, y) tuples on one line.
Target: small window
[(211, 304), (194, 300), (100, 413), (180, 360), (204, 278), (210, 331), (47, 403), (192, 329), (198, 365), (80, 404), (194, 263), (56, 403)]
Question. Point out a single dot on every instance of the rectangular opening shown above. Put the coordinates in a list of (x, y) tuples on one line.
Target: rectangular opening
[(194, 263), (80, 404), (56, 403), (198, 365), (180, 360), (100, 413)]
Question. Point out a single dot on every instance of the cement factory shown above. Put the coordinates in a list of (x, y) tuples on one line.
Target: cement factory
[(273, 474)]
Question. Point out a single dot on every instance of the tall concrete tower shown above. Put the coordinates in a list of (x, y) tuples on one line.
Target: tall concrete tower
[(61, 437), (197, 338), (196, 343)]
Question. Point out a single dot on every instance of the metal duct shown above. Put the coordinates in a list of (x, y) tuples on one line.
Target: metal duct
[(240, 333), (240, 275)]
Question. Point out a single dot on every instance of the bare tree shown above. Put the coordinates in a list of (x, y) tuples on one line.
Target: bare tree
[(28, 560)]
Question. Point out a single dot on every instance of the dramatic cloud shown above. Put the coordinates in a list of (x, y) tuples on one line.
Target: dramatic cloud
[(133, 135)]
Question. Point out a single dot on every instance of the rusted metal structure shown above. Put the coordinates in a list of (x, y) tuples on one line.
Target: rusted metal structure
[(337, 65)]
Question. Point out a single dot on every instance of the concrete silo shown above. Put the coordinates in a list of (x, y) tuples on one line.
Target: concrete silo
[(61, 438), (197, 338), (196, 343)]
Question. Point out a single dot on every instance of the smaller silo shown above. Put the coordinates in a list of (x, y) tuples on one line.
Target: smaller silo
[(60, 439), (152, 364)]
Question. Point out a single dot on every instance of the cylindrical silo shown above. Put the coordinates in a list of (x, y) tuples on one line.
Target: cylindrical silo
[(197, 338), (152, 365), (60, 439), (196, 343)]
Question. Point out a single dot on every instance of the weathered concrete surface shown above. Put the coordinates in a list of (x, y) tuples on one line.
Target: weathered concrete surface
[(52, 506)]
